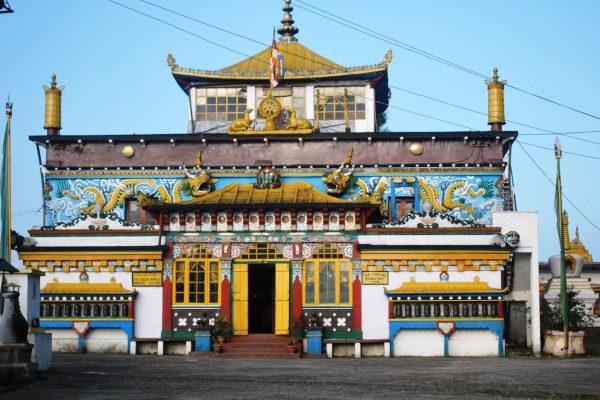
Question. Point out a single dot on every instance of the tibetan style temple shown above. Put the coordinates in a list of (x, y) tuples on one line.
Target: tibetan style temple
[(285, 212)]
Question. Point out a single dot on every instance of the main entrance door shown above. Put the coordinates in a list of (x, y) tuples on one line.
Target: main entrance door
[(261, 298)]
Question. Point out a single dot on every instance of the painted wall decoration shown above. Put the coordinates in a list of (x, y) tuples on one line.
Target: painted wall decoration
[(465, 197)]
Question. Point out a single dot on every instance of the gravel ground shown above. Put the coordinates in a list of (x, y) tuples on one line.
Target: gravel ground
[(94, 376)]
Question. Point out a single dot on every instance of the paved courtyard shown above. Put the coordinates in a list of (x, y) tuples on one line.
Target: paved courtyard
[(91, 376)]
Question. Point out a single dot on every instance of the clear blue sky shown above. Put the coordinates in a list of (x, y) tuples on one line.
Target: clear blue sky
[(113, 64)]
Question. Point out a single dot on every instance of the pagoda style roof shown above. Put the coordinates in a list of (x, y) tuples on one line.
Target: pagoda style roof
[(300, 64), (85, 288), (293, 194), (445, 288)]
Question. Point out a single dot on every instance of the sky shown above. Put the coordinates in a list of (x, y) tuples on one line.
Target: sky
[(112, 62)]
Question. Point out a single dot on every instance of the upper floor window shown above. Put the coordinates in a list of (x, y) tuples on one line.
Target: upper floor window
[(135, 213), (222, 104), (403, 206), (330, 103)]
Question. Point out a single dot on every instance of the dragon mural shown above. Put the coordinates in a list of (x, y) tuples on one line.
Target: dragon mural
[(72, 198), (466, 198)]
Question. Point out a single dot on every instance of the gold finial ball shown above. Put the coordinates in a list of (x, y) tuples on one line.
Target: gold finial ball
[(416, 148), (128, 151)]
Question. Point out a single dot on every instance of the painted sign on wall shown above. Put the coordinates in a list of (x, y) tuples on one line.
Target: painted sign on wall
[(375, 278), (146, 278)]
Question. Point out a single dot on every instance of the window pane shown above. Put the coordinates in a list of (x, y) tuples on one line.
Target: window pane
[(326, 282), (344, 282), (310, 283)]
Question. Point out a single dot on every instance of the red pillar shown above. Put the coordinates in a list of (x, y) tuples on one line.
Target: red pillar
[(167, 305), (226, 297), (501, 309), (296, 302), (131, 312), (356, 304)]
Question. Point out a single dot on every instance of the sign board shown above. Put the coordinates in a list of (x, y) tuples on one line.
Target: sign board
[(374, 278), (147, 278)]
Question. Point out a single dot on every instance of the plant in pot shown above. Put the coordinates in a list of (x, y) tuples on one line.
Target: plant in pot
[(552, 325), (297, 333), (221, 328), (293, 346)]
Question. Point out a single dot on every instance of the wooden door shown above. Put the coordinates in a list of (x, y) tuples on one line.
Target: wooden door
[(240, 299), (282, 299)]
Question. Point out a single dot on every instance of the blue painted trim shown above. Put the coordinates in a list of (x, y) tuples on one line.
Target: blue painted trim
[(496, 326), (446, 345)]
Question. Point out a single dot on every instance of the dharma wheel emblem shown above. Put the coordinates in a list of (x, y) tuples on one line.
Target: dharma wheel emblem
[(270, 108)]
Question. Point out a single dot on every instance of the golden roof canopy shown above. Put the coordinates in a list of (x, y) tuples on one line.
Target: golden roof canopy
[(287, 193)]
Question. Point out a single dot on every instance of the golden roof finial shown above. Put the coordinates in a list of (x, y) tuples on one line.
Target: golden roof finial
[(8, 108), (387, 58), (496, 101), (287, 30), (52, 115), (171, 62)]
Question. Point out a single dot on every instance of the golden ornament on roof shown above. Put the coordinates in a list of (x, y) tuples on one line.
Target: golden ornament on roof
[(270, 109)]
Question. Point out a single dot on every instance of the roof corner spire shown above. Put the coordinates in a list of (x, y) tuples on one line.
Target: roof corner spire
[(287, 30)]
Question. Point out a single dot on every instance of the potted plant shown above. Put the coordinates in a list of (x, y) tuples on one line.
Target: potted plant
[(217, 348), (221, 328), (293, 346), (298, 333), (552, 325)]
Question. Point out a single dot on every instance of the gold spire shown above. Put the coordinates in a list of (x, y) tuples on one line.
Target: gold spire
[(574, 246), (496, 102), (53, 108), (287, 30)]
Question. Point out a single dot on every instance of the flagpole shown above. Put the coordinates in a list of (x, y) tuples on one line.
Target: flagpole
[(564, 301), (8, 173), (6, 195)]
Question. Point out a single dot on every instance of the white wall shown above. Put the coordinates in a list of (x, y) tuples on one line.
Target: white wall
[(64, 340), (99, 340), (473, 343), (526, 224), (419, 343), (148, 312)]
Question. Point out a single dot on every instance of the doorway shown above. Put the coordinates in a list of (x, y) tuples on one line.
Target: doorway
[(261, 298)]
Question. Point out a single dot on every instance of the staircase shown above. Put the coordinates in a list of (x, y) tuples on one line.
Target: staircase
[(257, 346)]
